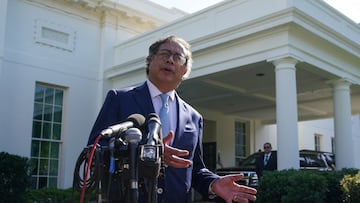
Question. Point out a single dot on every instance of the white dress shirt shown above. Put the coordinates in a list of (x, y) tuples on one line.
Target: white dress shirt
[(156, 100)]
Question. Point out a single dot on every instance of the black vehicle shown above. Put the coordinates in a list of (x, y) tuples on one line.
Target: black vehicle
[(309, 160)]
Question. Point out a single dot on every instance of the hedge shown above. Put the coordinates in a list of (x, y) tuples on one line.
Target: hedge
[(295, 186), (14, 178)]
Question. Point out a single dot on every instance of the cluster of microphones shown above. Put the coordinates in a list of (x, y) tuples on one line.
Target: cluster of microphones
[(144, 153), (131, 127)]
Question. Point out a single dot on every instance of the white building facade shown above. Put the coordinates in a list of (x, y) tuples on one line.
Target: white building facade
[(52, 57), (261, 71)]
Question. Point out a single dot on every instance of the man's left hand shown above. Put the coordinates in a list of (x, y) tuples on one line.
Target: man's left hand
[(227, 188)]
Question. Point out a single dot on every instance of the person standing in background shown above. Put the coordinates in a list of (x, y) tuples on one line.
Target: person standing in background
[(266, 161)]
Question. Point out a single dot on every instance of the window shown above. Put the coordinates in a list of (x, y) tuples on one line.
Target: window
[(317, 142), (240, 141), (46, 136)]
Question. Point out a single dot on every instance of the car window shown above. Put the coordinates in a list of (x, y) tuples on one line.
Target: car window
[(302, 161), (251, 160), (330, 158), (312, 160), (307, 159)]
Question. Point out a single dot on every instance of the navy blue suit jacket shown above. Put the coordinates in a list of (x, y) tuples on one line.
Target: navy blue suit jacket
[(119, 104)]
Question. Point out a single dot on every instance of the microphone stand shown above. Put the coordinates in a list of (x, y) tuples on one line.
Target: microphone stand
[(133, 137), (150, 165)]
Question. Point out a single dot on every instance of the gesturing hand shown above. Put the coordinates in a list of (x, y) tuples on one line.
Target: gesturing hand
[(172, 156), (227, 188)]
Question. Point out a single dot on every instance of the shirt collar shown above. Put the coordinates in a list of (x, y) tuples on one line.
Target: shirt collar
[(154, 91)]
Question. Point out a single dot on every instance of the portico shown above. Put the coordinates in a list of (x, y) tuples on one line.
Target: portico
[(285, 62)]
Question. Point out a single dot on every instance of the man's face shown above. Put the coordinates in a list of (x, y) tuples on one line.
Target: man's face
[(267, 148), (165, 68)]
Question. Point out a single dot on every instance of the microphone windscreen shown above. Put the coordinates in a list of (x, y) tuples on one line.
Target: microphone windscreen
[(154, 117), (137, 119)]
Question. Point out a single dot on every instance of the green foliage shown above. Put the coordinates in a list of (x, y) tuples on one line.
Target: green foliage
[(272, 186), (293, 186), (14, 178), (334, 194), (305, 186), (52, 195), (350, 185)]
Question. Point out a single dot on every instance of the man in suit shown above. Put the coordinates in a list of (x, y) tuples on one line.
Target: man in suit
[(267, 160), (168, 63)]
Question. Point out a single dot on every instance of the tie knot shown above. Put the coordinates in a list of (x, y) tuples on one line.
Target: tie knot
[(164, 98)]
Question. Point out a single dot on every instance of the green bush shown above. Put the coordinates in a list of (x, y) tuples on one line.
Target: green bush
[(292, 186), (54, 195), (350, 185), (14, 178), (51, 195), (334, 194)]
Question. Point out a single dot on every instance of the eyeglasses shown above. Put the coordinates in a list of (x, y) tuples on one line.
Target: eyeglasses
[(178, 59), (266, 147)]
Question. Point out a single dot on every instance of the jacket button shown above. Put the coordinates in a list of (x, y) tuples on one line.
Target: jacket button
[(160, 190)]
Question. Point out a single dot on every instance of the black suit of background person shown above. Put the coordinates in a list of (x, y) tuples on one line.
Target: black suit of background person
[(270, 164)]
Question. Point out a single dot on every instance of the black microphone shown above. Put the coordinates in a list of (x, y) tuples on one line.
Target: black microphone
[(133, 137), (154, 129), (134, 120), (151, 153)]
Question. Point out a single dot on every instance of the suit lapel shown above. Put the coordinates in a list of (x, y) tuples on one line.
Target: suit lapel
[(142, 97), (182, 113)]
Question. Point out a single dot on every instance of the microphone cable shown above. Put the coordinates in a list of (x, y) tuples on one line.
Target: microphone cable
[(85, 183)]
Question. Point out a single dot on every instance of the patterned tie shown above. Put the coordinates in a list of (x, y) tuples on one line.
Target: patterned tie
[(266, 159), (164, 115)]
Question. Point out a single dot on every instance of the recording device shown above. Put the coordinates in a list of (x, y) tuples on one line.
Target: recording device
[(133, 137), (134, 120), (130, 163)]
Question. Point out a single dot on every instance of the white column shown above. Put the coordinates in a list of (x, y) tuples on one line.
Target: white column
[(344, 148), (286, 114), (356, 135), (3, 9)]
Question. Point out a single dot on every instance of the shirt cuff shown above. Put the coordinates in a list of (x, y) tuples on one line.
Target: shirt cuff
[(212, 194)]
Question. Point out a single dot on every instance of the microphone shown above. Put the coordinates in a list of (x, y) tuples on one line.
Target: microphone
[(150, 156), (134, 120), (154, 129), (152, 151), (133, 137)]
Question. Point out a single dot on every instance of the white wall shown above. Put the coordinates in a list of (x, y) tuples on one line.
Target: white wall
[(263, 134), (267, 133), (225, 140), (308, 129), (26, 62), (3, 6), (78, 47)]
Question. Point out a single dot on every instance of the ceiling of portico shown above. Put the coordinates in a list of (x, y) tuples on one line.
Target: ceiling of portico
[(248, 92)]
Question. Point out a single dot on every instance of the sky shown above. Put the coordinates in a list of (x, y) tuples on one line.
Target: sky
[(350, 8)]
